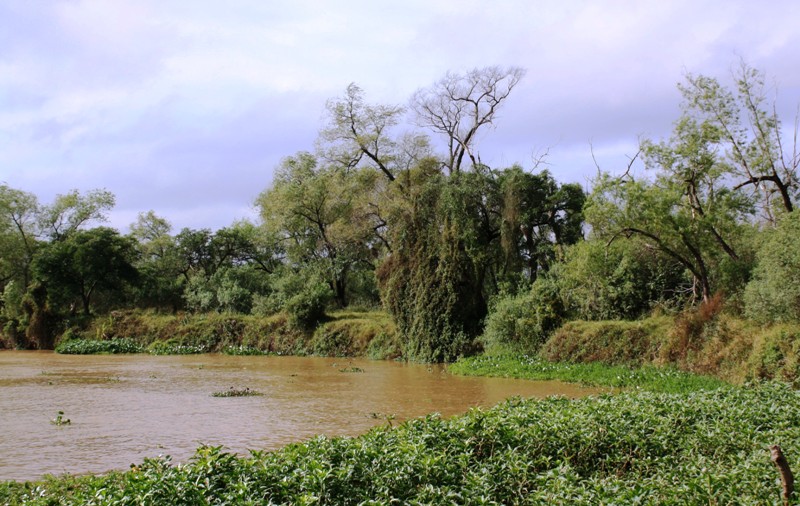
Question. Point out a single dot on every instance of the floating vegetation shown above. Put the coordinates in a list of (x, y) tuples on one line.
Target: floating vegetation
[(59, 420), (351, 369), (171, 348), (243, 350), (237, 392), (656, 379), (637, 447), (95, 346)]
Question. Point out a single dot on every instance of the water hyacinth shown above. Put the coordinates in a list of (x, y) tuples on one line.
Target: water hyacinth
[(705, 447)]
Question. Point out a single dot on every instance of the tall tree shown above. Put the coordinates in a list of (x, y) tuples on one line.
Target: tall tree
[(322, 218), (538, 217), (84, 263), (748, 134), (19, 211), (71, 211), (459, 105), (357, 131)]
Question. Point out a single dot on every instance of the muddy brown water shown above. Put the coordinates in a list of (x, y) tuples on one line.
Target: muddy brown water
[(124, 408)]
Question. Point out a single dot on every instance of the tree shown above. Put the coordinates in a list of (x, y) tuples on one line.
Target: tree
[(773, 295), (356, 130), (72, 210), (538, 217), (431, 282), (458, 106), (748, 134), (85, 262), (320, 215), (19, 212)]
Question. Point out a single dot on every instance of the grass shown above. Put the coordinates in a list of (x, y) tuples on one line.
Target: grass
[(656, 379), (636, 447)]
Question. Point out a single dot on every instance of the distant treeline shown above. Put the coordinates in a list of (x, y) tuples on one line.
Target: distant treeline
[(461, 254)]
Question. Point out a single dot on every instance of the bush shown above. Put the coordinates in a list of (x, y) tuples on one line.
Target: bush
[(621, 280), (524, 322), (773, 295), (307, 308)]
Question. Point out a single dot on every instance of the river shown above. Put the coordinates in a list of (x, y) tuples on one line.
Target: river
[(124, 408)]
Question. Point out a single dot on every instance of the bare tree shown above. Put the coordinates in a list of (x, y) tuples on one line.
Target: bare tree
[(459, 105)]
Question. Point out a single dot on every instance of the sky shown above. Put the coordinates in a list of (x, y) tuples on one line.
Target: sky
[(186, 107)]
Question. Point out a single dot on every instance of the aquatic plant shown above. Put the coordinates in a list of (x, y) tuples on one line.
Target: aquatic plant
[(243, 350), (237, 392), (657, 379), (98, 346), (59, 420), (636, 447)]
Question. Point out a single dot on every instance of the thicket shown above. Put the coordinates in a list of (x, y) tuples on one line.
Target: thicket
[(628, 448)]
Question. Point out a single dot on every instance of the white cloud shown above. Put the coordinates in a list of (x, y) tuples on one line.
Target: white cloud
[(187, 105)]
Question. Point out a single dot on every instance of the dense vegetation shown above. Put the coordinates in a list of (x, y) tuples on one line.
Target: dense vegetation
[(706, 447), (375, 244), (463, 256)]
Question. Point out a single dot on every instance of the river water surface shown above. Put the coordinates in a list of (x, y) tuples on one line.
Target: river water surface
[(124, 408)]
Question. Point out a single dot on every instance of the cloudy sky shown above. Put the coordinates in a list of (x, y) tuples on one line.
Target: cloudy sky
[(186, 107)]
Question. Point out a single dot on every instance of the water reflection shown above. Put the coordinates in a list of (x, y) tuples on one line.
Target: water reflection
[(126, 408)]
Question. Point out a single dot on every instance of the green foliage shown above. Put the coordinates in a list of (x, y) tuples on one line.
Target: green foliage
[(432, 284), (523, 323), (773, 295), (321, 214), (357, 334), (621, 280), (307, 308), (174, 347), (609, 342), (629, 448), (531, 367), (243, 350), (97, 346), (76, 268)]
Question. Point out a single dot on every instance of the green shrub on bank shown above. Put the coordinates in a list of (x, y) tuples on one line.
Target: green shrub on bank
[(633, 448), (523, 322), (351, 334), (348, 333)]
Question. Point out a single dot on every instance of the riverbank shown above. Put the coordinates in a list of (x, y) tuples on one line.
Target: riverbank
[(705, 447), (368, 334)]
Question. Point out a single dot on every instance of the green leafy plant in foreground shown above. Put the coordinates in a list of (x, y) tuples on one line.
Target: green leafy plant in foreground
[(637, 447)]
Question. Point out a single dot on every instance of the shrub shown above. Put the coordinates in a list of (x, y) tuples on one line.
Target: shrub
[(307, 308), (524, 322), (773, 295)]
